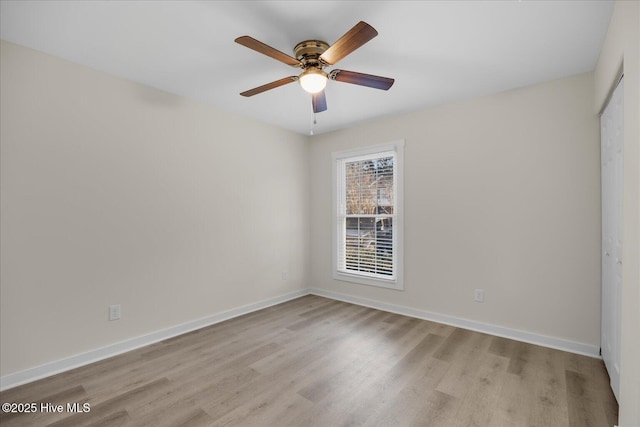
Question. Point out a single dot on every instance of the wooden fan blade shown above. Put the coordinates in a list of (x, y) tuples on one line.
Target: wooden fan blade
[(319, 102), (268, 86), (265, 49), (353, 39), (361, 79)]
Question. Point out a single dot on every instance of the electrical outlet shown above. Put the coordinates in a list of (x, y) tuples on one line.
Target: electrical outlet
[(284, 275), (115, 312), (479, 295)]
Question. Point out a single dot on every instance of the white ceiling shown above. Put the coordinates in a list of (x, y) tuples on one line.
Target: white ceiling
[(438, 51)]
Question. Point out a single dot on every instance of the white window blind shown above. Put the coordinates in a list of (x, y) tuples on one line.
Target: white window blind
[(367, 227)]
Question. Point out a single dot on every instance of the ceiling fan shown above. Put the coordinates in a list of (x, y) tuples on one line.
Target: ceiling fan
[(312, 56)]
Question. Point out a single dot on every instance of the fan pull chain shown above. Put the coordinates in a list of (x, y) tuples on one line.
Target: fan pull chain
[(313, 123)]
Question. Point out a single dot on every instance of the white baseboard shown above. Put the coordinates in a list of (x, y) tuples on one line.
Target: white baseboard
[(52, 368), (501, 331)]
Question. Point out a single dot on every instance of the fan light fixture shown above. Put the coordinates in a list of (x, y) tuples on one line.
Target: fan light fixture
[(313, 80)]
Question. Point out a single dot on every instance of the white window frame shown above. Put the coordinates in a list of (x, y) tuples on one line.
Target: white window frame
[(338, 158)]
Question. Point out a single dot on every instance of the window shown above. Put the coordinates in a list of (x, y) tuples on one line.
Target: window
[(368, 215)]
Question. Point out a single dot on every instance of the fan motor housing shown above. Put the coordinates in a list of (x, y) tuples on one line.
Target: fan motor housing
[(308, 52)]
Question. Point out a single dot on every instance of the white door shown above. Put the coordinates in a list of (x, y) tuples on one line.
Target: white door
[(611, 127)]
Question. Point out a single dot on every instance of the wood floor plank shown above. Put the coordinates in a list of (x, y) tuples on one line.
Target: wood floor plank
[(372, 363), (452, 345), (114, 406), (281, 409), (535, 374), (582, 401), (483, 391), (116, 419), (514, 407), (413, 404), (464, 361), (437, 410), (379, 393), (324, 337), (549, 388), (314, 361)]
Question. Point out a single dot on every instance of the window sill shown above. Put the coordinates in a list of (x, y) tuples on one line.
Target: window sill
[(394, 284)]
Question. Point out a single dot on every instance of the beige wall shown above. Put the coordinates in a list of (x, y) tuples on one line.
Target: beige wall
[(622, 46), (113, 192), (501, 193)]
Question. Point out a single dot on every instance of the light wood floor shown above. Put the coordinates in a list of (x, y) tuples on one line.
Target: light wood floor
[(318, 362)]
